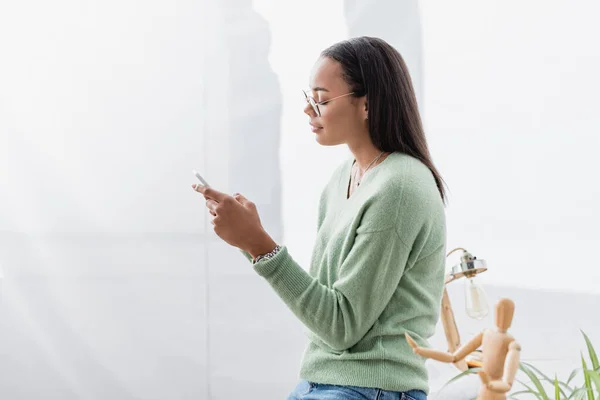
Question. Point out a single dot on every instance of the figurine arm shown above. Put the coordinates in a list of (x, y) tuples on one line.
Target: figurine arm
[(511, 365), (444, 356)]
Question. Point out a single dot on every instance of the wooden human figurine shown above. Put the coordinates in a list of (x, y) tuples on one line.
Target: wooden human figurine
[(500, 354)]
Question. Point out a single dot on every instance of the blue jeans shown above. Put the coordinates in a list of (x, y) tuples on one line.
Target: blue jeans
[(319, 391)]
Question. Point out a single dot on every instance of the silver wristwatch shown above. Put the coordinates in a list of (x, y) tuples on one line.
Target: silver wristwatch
[(268, 255)]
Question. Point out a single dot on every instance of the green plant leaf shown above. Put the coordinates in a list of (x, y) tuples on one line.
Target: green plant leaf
[(556, 389), (587, 380), (573, 375), (546, 378), (578, 394), (591, 351), (535, 381), (529, 391), (595, 377)]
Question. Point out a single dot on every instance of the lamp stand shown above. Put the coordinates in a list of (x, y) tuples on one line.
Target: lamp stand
[(451, 330)]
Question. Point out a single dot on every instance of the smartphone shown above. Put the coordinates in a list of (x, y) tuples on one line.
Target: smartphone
[(200, 178)]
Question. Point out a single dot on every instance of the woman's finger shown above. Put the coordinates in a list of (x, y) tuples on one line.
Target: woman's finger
[(211, 193), (211, 205)]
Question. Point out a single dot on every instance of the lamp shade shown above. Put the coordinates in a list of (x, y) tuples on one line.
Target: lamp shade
[(468, 268)]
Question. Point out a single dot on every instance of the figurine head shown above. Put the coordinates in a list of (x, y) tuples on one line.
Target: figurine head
[(505, 309)]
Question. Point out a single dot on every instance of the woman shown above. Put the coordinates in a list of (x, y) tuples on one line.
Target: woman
[(377, 268)]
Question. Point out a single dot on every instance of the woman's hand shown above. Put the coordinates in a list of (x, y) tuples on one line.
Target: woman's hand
[(236, 221)]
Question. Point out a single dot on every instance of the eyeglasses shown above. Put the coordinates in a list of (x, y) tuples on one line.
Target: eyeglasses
[(315, 105)]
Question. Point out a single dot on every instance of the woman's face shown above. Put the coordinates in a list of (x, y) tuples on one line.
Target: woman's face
[(342, 120)]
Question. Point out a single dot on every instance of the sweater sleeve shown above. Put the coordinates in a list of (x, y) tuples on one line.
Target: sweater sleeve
[(342, 314)]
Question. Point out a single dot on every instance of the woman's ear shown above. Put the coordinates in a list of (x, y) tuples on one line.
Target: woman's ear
[(366, 109)]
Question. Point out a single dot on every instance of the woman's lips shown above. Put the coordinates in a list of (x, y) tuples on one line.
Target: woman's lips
[(315, 128)]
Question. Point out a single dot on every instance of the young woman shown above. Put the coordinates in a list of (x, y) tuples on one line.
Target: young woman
[(377, 268)]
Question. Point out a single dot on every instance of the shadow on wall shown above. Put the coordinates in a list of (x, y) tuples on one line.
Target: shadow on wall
[(255, 102), (248, 355)]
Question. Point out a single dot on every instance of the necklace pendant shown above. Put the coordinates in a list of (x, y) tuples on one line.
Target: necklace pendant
[(369, 166)]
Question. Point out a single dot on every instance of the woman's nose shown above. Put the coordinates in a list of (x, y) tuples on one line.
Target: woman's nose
[(309, 110)]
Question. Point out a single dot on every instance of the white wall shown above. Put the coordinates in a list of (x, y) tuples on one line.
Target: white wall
[(100, 112), (100, 234), (511, 110)]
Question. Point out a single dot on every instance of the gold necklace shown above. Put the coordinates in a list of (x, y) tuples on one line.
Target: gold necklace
[(369, 166)]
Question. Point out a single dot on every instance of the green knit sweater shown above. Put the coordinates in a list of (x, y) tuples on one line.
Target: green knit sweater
[(376, 272)]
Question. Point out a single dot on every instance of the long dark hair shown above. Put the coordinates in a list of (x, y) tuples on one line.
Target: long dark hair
[(374, 68)]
